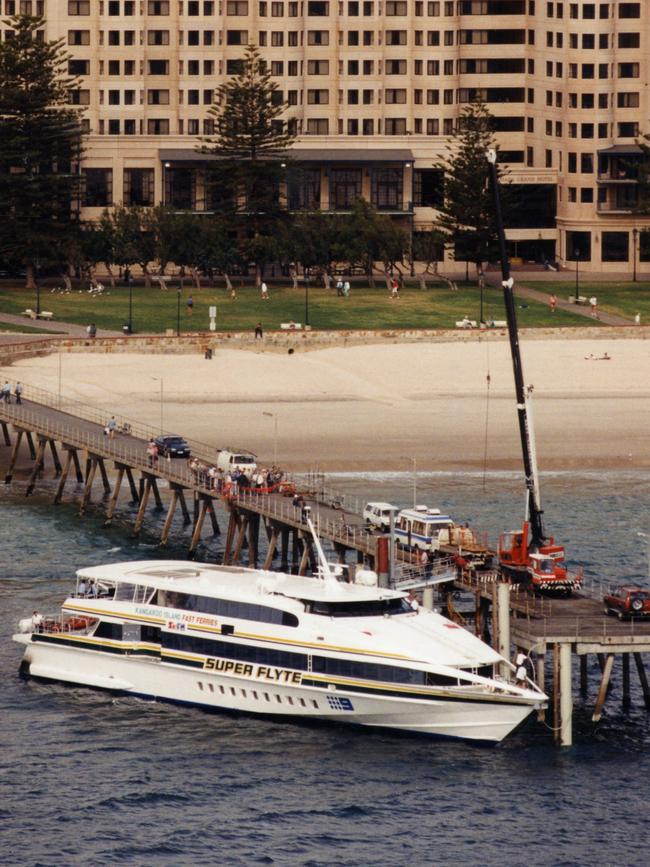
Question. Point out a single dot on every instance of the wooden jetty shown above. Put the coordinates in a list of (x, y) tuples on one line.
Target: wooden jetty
[(69, 437)]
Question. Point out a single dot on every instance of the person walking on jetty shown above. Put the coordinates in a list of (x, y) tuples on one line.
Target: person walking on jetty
[(5, 393), (111, 427), (18, 391), (152, 452)]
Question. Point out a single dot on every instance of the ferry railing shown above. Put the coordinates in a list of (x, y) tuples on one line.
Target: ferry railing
[(57, 623)]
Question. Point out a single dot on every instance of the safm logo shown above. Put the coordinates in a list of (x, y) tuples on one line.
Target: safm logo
[(337, 703)]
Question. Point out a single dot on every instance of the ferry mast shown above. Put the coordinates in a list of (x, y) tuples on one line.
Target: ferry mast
[(534, 505)]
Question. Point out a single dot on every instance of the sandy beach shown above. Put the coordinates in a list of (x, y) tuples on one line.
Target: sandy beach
[(376, 407)]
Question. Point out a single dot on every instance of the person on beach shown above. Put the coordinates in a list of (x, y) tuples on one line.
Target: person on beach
[(552, 302), (18, 391)]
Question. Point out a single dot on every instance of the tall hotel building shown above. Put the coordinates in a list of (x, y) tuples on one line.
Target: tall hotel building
[(374, 89)]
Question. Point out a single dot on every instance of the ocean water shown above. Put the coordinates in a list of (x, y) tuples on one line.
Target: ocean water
[(87, 778)]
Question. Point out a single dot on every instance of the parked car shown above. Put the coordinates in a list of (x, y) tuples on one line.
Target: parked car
[(173, 445), (628, 600), (378, 515)]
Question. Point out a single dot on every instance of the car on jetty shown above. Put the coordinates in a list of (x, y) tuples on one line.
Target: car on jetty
[(280, 645), (628, 600), (173, 446)]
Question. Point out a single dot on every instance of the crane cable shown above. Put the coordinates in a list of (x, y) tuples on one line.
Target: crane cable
[(487, 409)]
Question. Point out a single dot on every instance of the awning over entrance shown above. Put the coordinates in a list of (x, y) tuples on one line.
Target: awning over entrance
[(621, 150), (322, 156)]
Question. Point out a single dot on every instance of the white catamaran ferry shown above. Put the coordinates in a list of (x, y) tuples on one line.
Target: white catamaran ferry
[(270, 643)]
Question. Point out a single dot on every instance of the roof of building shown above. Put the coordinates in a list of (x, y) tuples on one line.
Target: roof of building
[(317, 155)]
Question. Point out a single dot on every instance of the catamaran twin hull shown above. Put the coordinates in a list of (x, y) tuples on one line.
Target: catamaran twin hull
[(270, 691)]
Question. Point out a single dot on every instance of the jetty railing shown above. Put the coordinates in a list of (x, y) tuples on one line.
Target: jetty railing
[(80, 410)]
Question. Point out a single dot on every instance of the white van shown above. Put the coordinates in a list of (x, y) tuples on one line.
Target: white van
[(231, 460), (378, 515), (421, 528)]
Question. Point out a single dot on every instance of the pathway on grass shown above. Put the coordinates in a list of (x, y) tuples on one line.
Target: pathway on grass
[(563, 303), (46, 327)]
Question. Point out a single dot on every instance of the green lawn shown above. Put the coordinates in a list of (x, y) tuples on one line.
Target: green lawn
[(155, 310), (624, 299)]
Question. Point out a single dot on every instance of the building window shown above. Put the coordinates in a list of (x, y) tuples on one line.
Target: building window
[(158, 7), (80, 97), (158, 97), (78, 67), (615, 247), (317, 126), (345, 187), (387, 188), (158, 126), (98, 188), (78, 37), (318, 67), (138, 187), (304, 191), (75, 7), (158, 67), (395, 126)]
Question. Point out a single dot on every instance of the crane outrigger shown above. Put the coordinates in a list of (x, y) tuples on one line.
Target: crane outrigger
[(527, 555)]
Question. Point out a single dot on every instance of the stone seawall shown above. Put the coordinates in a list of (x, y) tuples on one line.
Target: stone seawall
[(299, 341)]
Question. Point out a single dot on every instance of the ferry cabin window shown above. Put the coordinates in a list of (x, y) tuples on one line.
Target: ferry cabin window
[(125, 592), (109, 630), (232, 650), (231, 609), (367, 608), (376, 671), (150, 634)]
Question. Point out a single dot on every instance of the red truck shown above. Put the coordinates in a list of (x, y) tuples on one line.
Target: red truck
[(628, 600)]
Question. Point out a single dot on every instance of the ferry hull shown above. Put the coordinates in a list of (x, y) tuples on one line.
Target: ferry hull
[(479, 719)]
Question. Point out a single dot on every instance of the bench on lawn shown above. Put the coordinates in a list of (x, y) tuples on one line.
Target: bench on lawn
[(579, 300), (466, 323), (290, 326), (32, 314)]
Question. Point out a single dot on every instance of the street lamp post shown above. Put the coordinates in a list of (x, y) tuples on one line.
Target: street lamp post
[(415, 478), (635, 237), (160, 380), (576, 254), (275, 435), (647, 538), (38, 290), (178, 309), (306, 297), (129, 283)]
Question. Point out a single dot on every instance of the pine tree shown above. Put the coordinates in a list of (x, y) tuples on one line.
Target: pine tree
[(251, 143), (467, 213), (40, 145)]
